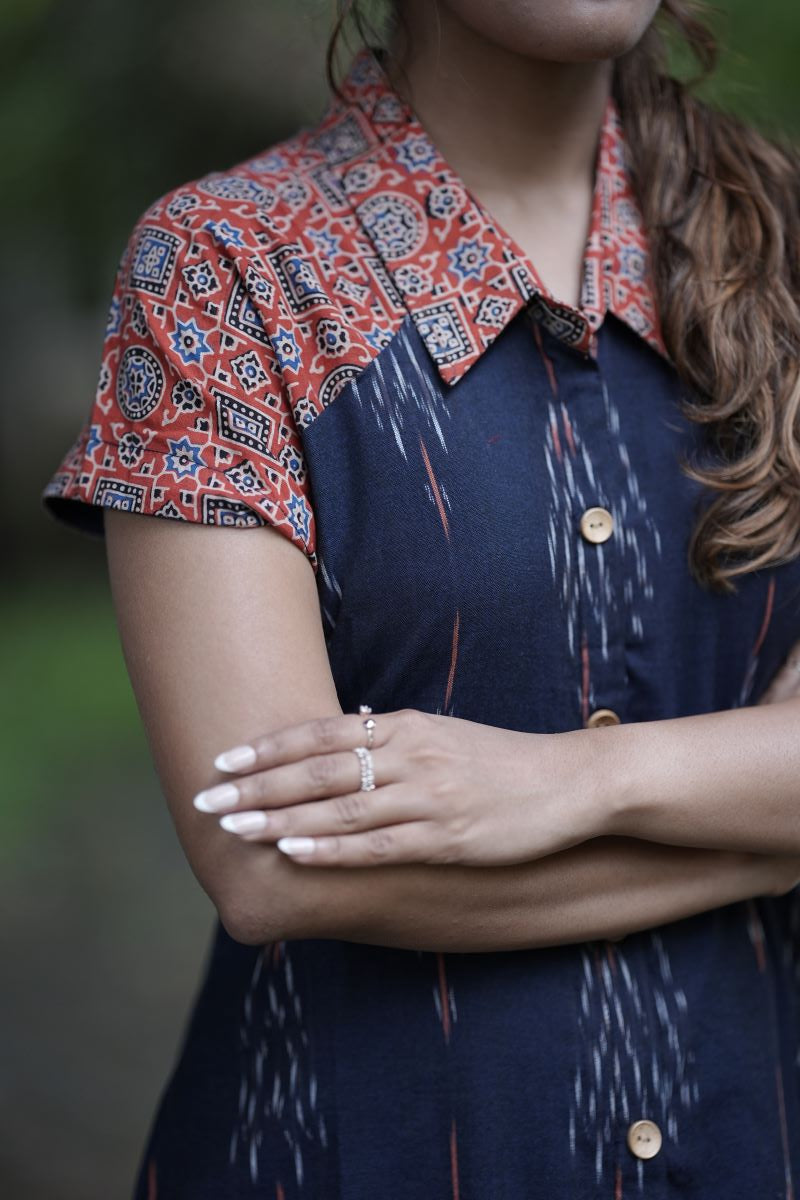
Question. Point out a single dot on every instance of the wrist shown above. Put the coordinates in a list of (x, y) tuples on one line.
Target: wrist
[(613, 789), (581, 772)]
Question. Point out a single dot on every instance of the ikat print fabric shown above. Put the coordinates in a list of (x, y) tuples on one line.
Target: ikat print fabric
[(336, 339)]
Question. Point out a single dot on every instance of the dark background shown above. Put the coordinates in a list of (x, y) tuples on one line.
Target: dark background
[(105, 105)]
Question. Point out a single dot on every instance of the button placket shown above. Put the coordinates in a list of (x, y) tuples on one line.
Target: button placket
[(586, 467), (597, 530), (596, 524), (644, 1138)]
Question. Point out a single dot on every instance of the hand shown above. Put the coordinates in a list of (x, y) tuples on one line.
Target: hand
[(446, 791), (786, 682)]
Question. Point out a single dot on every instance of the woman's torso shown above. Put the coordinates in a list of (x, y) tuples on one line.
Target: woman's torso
[(452, 579), (453, 428)]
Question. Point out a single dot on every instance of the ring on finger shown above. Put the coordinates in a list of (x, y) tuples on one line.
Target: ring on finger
[(367, 768), (369, 725)]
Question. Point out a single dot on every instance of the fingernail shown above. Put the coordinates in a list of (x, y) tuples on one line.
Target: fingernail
[(236, 759), (295, 845), (217, 798), (244, 822)]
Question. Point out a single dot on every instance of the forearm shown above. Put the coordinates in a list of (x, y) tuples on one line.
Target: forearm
[(606, 887), (723, 780)]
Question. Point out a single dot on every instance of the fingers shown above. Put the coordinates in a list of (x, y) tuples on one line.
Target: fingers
[(300, 762), (316, 777), (323, 735), (410, 842), (300, 787), (786, 682), (352, 812)]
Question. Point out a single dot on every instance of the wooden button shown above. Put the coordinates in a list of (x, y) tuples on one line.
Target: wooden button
[(597, 524), (602, 716), (644, 1138)]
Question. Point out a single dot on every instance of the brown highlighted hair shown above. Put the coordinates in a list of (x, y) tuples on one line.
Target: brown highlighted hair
[(721, 202)]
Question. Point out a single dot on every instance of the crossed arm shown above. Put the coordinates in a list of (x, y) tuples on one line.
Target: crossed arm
[(221, 635)]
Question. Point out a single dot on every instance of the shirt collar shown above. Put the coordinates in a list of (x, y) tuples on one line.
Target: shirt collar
[(461, 278)]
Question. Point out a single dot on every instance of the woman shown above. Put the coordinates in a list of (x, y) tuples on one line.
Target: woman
[(487, 385)]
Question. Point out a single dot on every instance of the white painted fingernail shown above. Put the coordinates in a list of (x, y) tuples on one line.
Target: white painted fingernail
[(237, 759), (216, 798), (295, 845), (244, 822)]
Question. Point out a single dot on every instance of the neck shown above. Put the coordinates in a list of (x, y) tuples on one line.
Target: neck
[(500, 119)]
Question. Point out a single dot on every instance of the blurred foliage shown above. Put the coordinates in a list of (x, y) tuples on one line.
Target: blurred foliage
[(71, 696), (757, 75), (106, 105), (97, 976)]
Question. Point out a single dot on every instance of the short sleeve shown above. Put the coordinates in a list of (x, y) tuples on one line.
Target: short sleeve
[(191, 418)]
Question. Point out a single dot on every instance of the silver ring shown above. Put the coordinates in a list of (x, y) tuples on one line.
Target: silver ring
[(369, 725), (366, 767)]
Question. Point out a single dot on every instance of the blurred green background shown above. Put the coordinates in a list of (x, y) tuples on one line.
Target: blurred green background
[(103, 929)]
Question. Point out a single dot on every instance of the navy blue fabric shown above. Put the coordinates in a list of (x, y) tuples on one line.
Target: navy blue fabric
[(323, 1068)]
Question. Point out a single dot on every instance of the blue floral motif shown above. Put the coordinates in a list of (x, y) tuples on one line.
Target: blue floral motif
[(325, 243), (394, 223), (259, 286), (186, 397), (224, 232), (468, 259), (181, 203), (332, 338), (190, 342), (201, 278), (183, 458), (493, 310), (445, 200), (249, 370), (286, 349), (131, 449), (244, 478), (412, 280), (416, 153)]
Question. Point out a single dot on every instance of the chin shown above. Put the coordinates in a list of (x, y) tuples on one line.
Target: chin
[(558, 30)]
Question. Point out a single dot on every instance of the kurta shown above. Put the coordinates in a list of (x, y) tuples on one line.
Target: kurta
[(337, 339)]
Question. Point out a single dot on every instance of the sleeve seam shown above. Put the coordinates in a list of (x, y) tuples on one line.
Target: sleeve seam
[(279, 504)]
